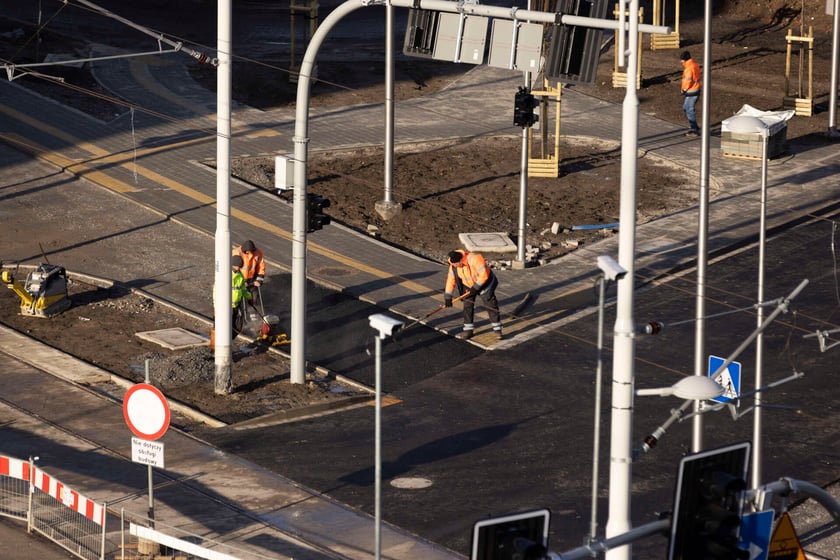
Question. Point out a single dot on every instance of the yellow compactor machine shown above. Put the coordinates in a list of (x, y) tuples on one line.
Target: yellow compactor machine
[(44, 294)]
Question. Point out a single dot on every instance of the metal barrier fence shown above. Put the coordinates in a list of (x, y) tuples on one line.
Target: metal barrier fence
[(52, 509), (142, 538), (14, 488), (78, 524)]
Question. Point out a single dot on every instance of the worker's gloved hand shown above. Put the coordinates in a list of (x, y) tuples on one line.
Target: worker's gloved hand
[(471, 292), (447, 302)]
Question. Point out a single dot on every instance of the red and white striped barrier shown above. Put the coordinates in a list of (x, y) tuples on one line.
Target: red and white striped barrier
[(14, 468), (69, 497), (19, 469)]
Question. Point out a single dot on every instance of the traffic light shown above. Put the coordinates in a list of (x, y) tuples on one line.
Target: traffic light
[(519, 536), (573, 50), (708, 505), (524, 104), (315, 217)]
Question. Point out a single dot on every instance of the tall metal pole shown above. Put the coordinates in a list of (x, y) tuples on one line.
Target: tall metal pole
[(621, 426), (835, 54), (759, 341), (387, 208), (389, 103), (702, 227), (223, 309), (523, 202), (378, 454), (596, 434)]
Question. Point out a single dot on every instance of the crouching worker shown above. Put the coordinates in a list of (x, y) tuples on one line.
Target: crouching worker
[(239, 295), (470, 275)]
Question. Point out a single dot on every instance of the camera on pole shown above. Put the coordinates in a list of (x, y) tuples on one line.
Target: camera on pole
[(315, 217), (523, 108)]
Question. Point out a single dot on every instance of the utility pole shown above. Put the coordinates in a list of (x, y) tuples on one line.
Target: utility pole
[(621, 422), (223, 274)]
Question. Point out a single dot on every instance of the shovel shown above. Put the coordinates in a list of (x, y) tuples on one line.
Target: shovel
[(430, 313), (267, 320), (423, 318)]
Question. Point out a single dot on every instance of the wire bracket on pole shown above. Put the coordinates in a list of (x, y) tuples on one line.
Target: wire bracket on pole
[(822, 338)]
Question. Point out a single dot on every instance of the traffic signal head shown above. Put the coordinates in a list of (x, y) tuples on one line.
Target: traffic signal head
[(524, 104), (520, 536), (315, 217), (708, 505)]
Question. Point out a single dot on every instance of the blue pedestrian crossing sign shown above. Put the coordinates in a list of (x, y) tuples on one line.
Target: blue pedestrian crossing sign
[(729, 379)]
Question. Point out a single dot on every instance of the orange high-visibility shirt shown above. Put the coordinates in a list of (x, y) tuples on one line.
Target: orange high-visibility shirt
[(475, 273)]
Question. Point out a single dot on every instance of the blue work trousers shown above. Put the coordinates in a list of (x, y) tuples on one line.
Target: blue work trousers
[(689, 107)]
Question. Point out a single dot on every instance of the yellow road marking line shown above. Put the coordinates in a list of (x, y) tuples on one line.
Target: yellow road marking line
[(122, 160), (68, 164)]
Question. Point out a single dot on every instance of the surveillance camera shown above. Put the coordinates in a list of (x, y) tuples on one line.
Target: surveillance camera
[(612, 270), (385, 325)]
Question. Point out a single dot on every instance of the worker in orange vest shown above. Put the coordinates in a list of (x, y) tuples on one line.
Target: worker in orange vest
[(253, 267), (470, 275), (690, 88)]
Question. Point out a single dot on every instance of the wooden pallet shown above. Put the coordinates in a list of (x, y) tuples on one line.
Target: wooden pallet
[(662, 42), (802, 106), (548, 167), (619, 80)]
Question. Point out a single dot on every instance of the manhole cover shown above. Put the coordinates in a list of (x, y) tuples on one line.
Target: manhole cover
[(411, 483), (333, 271), (174, 339)]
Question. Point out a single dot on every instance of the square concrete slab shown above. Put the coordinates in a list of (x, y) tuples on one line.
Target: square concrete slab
[(487, 242), (174, 339)]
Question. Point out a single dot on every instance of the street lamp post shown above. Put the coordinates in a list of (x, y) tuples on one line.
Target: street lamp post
[(621, 418), (386, 326), (753, 125), (612, 271)]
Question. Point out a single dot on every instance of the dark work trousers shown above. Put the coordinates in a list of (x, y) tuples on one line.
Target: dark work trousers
[(488, 297)]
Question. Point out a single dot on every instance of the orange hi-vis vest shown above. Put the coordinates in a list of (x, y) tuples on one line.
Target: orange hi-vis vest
[(474, 274), (690, 78), (253, 265)]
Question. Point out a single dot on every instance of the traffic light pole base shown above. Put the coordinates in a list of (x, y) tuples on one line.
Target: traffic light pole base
[(387, 209)]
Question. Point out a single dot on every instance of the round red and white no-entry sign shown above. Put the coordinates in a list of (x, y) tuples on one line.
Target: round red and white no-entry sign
[(146, 411)]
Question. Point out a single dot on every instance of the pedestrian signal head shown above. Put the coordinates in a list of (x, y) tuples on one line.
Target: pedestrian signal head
[(315, 217)]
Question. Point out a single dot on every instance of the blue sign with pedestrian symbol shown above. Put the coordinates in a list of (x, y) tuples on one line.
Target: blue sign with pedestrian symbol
[(729, 378)]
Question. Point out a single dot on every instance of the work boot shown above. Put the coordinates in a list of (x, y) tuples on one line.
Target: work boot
[(499, 335), (464, 335)]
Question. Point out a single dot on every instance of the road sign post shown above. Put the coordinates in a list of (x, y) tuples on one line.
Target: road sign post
[(147, 414)]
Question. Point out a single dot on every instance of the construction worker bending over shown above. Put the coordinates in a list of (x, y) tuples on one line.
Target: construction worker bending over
[(253, 265), (470, 275), (239, 295)]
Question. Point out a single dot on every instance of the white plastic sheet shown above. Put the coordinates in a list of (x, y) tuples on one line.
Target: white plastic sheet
[(773, 120)]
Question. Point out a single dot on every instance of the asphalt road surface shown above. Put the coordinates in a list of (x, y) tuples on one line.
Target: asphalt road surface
[(508, 430)]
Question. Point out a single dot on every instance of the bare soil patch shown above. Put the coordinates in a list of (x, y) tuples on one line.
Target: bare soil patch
[(100, 328), (473, 185)]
